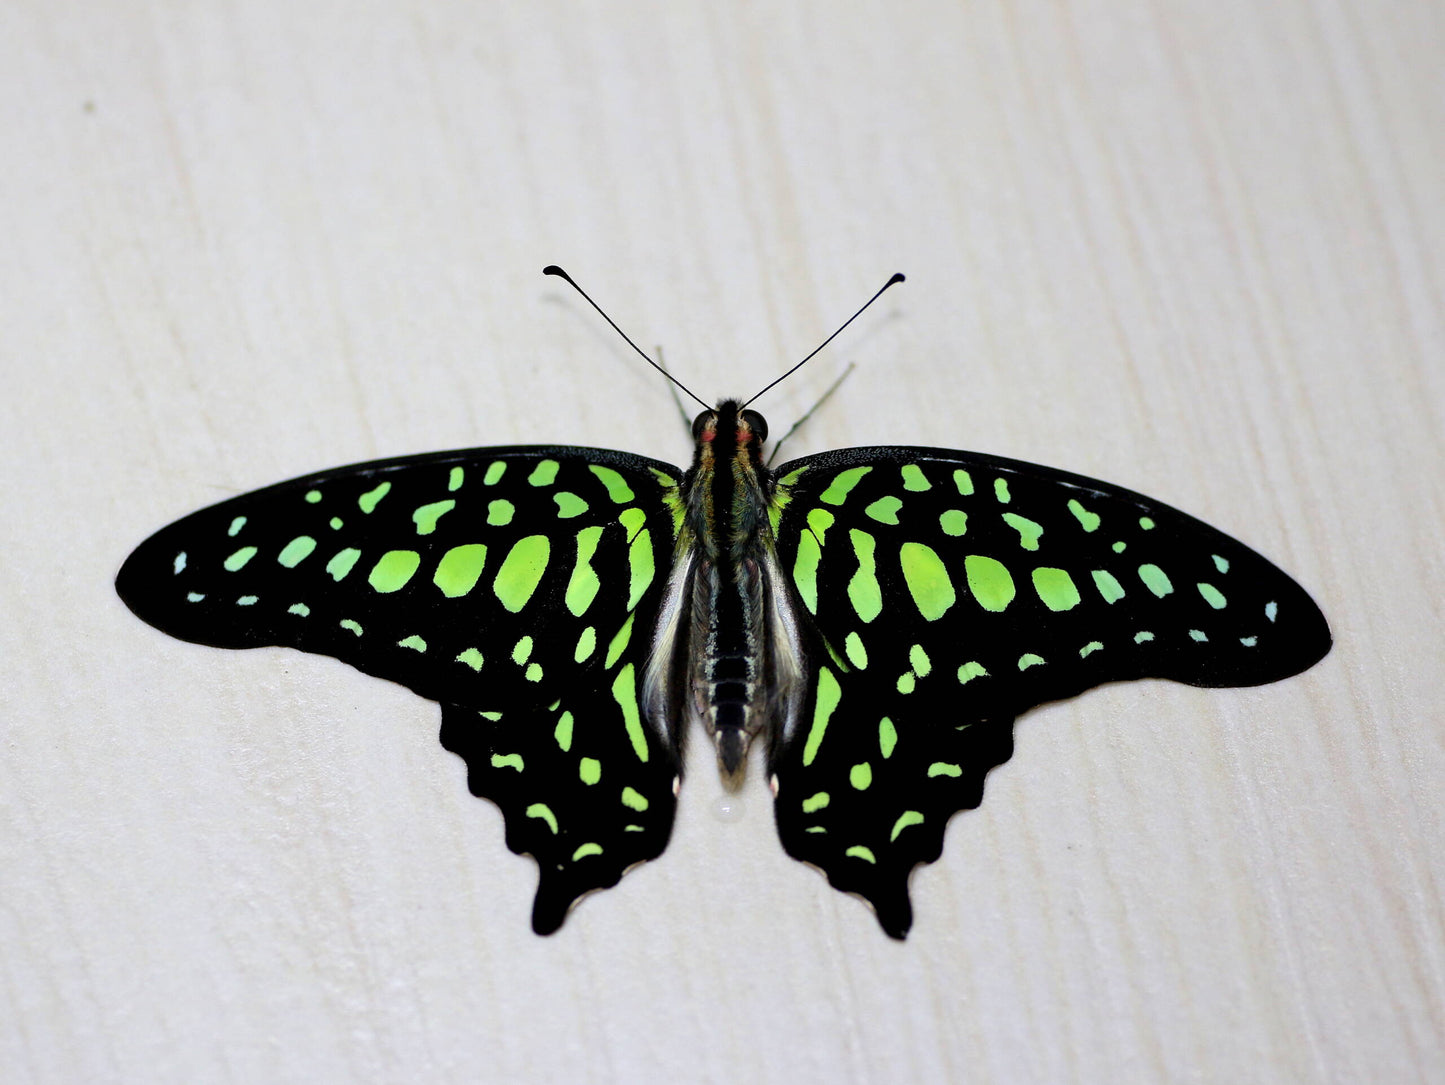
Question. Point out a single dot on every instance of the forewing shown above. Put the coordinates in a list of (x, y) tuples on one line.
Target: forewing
[(518, 587), (952, 591)]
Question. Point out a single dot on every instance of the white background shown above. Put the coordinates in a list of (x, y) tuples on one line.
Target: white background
[(1193, 248)]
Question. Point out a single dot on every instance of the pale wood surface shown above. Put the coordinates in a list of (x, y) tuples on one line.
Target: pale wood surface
[(1193, 248)]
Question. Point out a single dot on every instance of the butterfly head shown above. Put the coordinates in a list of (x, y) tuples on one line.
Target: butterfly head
[(728, 427)]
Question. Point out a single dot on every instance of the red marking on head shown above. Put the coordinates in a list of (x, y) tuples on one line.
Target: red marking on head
[(708, 434)]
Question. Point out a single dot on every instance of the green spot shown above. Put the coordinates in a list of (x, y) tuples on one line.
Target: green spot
[(454, 480), (964, 481), (861, 776), (585, 850), (1089, 521), (815, 829), (842, 485), (1249, 642), (544, 474), (1120, 546), (350, 626), (427, 516), (368, 501), (1028, 659), (640, 562), (1055, 588), (1142, 636), (507, 761), (1108, 586), (1222, 564), (863, 590), (907, 683), (393, 569), (236, 525), (887, 737), (1000, 490), (533, 673), (590, 770), (928, 581), (854, 650), (1271, 610), (885, 509), (634, 799), (1028, 530), (300, 609), (989, 581), (313, 496), (522, 651), (953, 521), (971, 670), (563, 732), (521, 571), (617, 487), (237, 560), (618, 643), (913, 479), (805, 570), (828, 696), (543, 811), (1155, 580), (858, 851), (568, 504), (586, 645), (500, 512), (1197, 635), (820, 520), (1090, 648), (495, 470), (296, 551), (943, 768), (624, 692), (472, 658), (413, 642), (1212, 595), (919, 661), (583, 586), (336, 523), (907, 818), (246, 601), (342, 563), (792, 476), (493, 716), (819, 801), (459, 569), (196, 597), (1146, 523)]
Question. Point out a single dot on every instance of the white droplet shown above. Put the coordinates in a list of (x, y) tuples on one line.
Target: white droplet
[(729, 808)]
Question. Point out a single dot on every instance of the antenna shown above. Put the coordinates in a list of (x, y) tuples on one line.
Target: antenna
[(553, 269), (897, 278)]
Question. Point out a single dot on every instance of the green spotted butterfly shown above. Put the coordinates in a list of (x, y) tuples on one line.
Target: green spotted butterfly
[(876, 616)]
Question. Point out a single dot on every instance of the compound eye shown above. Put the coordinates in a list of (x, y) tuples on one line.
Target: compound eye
[(757, 423), (700, 423)]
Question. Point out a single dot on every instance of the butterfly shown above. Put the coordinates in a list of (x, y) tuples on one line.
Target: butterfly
[(874, 618)]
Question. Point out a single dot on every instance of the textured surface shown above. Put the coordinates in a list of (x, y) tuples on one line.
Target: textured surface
[(1193, 250)]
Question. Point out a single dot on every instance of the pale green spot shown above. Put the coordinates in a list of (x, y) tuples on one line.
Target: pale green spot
[(944, 768), (828, 696), (1089, 521), (1155, 580), (350, 626), (792, 477), (500, 512), (472, 658), (887, 737), (1000, 490), (493, 716), (953, 521), (863, 590), (964, 481), (927, 579), (585, 850), (298, 608), (568, 504), (296, 551), (495, 470), (247, 600), (854, 650), (427, 516), (544, 474), (507, 761), (905, 819), (543, 811), (313, 496), (1029, 659), (633, 829), (1212, 595), (1090, 648), (238, 560), (861, 776), (1198, 636), (196, 597), (1271, 610), (907, 683), (914, 480), (1222, 564), (1055, 588), (393, 569), (522, 651), (617, 487), (368, 501), (618, 644), (455, 479), (336, 523), (624, 692), (583, 586), (1142, 636), (885, 509), (533, 673), (819, 801), (1108, 586), (563, 732), (1028, 530), (858, 851), (586, 645), (343, 563), (1249, 642), (1120, 546), (459, 569), (842, 485), (521, 571), (1146, 523), (989, 581), (634, 799), (236, 525), (413, 642), (971, 670), (590, 770)]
